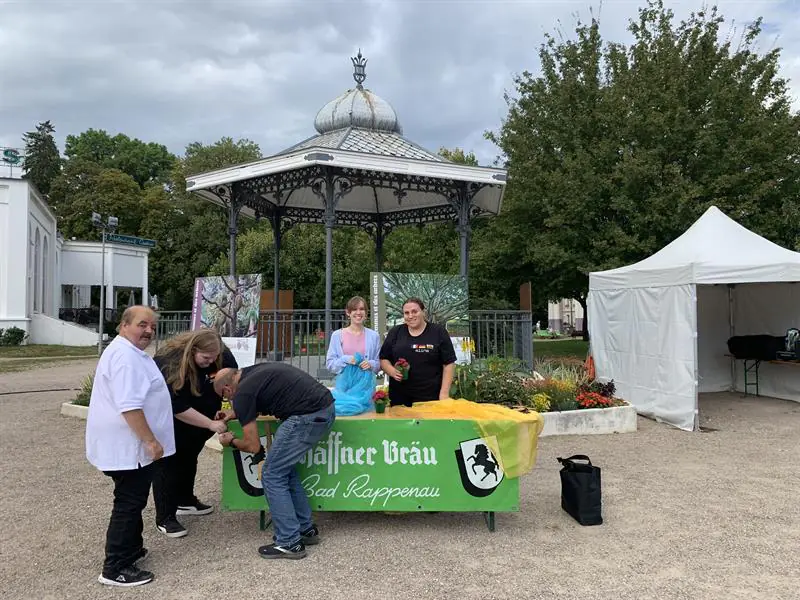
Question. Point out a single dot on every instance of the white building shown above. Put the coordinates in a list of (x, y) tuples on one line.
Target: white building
[(46, 282), (565, 314)]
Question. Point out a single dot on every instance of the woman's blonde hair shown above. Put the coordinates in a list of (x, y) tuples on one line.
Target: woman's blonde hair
[(177, 356)]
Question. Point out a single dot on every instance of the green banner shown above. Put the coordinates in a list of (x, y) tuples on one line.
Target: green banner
[(384, 464)]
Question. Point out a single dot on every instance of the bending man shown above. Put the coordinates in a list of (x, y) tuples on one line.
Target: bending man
[(305, 408)]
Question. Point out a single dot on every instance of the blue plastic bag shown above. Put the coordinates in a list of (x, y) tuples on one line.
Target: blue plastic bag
[(353, 389)]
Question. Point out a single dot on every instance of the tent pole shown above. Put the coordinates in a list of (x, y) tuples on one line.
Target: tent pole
[(731, 333)]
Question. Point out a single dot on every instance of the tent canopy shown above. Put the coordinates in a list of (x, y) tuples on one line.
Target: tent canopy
[(659, 328), (715, 249)]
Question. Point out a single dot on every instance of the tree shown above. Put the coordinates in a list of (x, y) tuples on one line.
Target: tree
[(85, 187), (42, 160), (191, 233), (457, 155), (144, 162), (614, 150), (224, 153)]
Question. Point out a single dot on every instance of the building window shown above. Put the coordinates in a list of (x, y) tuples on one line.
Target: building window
[(45, 263), (37, 262)]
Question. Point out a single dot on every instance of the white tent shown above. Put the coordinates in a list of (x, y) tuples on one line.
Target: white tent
[(659, 328)]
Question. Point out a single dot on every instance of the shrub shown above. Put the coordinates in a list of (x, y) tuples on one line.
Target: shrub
[(500, 388), (563, 369), (561, 393), (13, 336), (491, 381), (541, 402), (85, 393), (606, 390)]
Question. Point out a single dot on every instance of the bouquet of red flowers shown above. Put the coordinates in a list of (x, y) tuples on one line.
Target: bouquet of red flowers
[(403, 367), (381, 399)]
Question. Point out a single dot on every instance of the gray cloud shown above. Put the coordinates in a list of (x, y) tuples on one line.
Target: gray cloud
[(178, 72)]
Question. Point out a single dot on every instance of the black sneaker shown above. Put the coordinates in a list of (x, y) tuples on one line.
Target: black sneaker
[(126, 577), (294, 551), (195, 508), (311, 536), (171, 528)]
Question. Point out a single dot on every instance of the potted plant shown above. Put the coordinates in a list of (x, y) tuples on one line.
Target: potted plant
[(381, 399), (402, 366)]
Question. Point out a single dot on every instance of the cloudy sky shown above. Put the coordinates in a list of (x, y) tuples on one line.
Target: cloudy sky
[(178, 72)]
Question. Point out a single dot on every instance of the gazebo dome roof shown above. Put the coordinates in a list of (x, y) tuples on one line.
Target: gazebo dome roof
[(358, 107)]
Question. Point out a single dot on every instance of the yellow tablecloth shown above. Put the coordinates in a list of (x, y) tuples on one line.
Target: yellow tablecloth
[(511, 435)]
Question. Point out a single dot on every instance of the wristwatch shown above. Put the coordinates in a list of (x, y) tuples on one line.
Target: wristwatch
[(231, 443)]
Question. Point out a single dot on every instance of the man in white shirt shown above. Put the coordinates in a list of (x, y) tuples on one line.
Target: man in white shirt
[(128, 428)]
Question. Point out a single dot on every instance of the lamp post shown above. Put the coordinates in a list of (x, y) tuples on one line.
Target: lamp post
[(109, 225)]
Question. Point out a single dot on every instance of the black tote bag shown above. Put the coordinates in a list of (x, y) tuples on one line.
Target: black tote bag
[(580, 490)]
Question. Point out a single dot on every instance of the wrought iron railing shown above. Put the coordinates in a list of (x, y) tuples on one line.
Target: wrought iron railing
[(502, 333), (298, 336), (90, 317), (171, 323)]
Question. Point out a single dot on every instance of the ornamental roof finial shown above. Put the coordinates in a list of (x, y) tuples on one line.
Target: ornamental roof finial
[(359, 68)]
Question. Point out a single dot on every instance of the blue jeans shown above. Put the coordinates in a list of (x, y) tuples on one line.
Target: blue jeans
[(288, 503)]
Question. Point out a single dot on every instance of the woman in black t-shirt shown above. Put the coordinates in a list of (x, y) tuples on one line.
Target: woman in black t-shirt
[(429, 351), (188, 362)]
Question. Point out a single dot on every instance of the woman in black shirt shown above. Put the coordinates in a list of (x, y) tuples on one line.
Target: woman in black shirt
[(429, 351), (188, 362)]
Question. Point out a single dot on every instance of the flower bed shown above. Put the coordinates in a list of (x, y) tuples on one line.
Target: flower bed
[(555, 386)]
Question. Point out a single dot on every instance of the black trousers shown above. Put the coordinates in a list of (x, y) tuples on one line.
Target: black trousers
[(124, 535), (173, 479)]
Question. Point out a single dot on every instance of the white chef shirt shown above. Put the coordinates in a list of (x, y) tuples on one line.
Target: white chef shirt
[(126, 379)]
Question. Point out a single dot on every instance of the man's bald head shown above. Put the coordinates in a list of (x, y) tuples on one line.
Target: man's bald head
[(226, 381)]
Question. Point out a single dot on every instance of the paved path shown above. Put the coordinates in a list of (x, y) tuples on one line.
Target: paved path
[(687, 516)]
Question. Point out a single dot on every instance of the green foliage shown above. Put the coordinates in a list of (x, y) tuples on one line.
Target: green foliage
[(144, 162), (541, 402), (614, 150), (42, 160), (561, 394), (13, 336), (84, 187), (563, 369), (85, 393), (192, 233), (457, 155), (497, 383)]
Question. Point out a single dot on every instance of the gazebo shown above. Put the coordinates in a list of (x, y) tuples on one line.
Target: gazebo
[(358, 171)]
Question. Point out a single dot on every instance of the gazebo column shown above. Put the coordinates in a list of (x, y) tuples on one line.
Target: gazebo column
[(235, 205), (464, 229), (378, 248), (378, 230), (330, 222), (275, 221)]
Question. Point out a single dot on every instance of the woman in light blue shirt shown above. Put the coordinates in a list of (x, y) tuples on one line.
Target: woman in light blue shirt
[(355, 338)]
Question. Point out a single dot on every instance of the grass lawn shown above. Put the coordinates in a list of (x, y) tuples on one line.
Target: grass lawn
[(26, 364), (33, 350), (560, 349)]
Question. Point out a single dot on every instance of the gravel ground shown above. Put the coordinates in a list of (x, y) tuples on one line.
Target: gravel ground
[(703, 516)]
